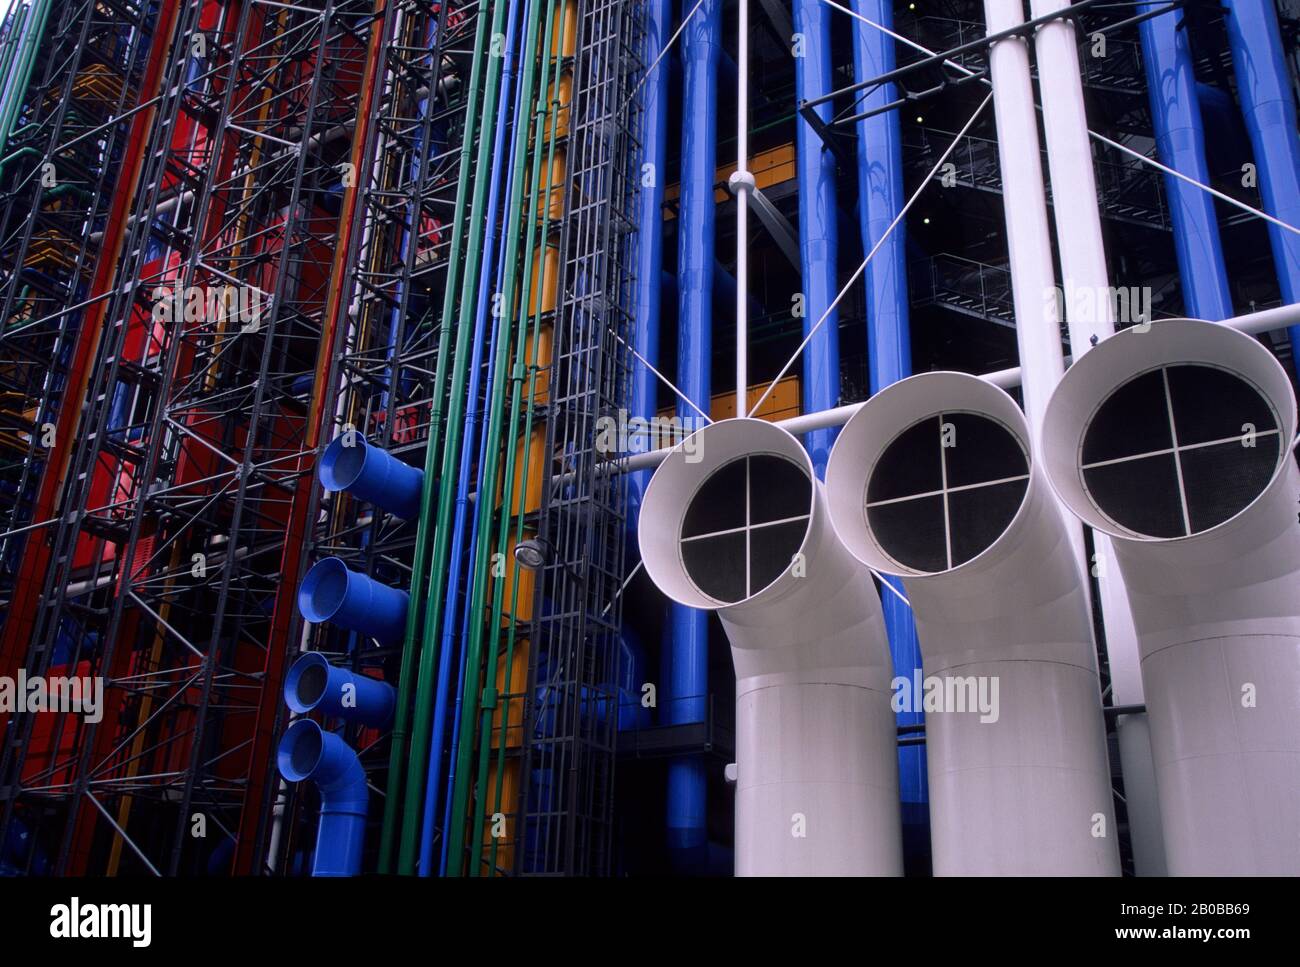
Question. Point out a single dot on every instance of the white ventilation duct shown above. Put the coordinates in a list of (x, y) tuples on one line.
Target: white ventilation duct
[(1177, 442), (932, 481), (734, 521)]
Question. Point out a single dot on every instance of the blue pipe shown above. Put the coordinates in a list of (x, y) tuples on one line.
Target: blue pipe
[(889, 345), (724, 297), (818, 223), (313, 684), (473, 416), (1269, 109), (650, 237), (1180, 142), (308, 752), (649, 296), (333, 592), (374, 475), (480, 486), (688, 682)]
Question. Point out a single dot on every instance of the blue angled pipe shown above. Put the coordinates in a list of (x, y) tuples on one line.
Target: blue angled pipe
[(354, 464), (1180, 142), (333, 592), (1269, 109), (313, 684), (688, 678), (818, 223), (889, 346), (309, 752)]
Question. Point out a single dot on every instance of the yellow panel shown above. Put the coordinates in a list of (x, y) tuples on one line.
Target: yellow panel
[(782, 404), (562, 116), (536, 466), (541, 391), (512, 707), (549, 282), (769, 168), (505, 855), (569, 16)]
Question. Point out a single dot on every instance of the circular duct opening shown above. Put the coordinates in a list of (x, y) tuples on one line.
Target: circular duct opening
[(341, 465), (945, 489), (1179, 449), (300, 750), (744, 524), (311, 684), (321, 595)]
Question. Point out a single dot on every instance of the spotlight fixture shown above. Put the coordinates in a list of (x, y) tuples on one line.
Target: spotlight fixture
[(534, 554)]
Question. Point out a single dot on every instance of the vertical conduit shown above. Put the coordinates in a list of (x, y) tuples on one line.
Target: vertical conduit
[(468, 455), (650, 276), (818, 245), (689, 664), (1180, 141), (889, 345), (1268, 107)]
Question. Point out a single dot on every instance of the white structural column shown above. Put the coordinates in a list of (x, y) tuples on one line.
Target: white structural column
[(742, 183), (1069, 159), (1089, 315), (1024, 201)]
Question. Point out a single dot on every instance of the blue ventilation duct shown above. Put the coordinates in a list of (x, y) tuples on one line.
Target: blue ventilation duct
[(309, 752), (1180, 142), (889, 344), (353, 464), (818, 222), (688, 679), (332, 592), (1268, 107), (313, 684)]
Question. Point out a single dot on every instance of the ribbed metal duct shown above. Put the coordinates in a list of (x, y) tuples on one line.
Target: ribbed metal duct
[(1177, 442), (734, 521), (932, 481)]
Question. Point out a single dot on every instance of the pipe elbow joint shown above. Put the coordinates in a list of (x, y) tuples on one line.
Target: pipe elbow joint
[(309, 752)]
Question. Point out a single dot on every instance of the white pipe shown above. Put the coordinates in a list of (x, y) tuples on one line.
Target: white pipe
[(1019, 783), (1024, 203), (1216, 609), (816, 748), (1090, 317), (742, 183), (1069, 159)]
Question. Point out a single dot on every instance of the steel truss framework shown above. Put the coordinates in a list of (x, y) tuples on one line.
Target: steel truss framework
[(382, 370), (571, 703), (57, 179), (187, 603)]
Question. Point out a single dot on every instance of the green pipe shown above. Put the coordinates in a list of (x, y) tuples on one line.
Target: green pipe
[(517, 380), (398, 759), (26, 60), (418, 760), (470, 699), (13, 38)]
